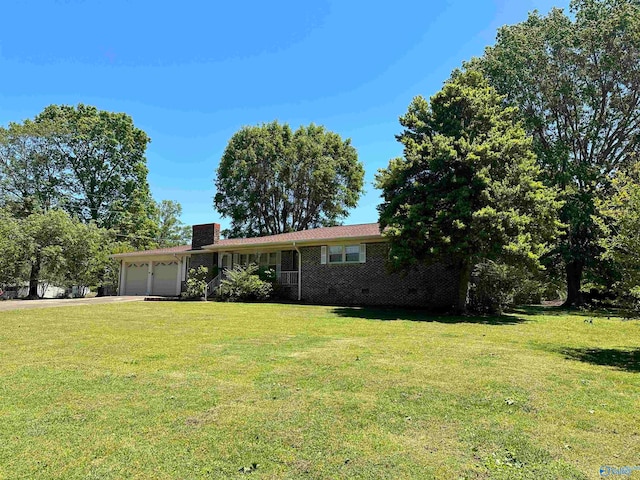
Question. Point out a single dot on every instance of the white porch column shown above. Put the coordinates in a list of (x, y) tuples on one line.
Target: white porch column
[(150, 277), (123, 278), (179, 276)]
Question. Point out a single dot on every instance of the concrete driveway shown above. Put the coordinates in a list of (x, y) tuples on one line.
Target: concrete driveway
[(7, 305)]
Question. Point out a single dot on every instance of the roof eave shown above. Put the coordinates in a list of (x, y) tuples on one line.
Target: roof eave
[(149, 254), (307, 243)]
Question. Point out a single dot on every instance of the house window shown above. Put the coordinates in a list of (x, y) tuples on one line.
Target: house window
[(344, 254), (269, 260), (335, 254), (352, 253)]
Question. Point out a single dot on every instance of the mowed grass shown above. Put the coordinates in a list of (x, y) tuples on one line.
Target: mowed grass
[(209, 390)]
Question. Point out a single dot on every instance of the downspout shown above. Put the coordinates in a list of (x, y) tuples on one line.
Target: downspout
[(299, 271)]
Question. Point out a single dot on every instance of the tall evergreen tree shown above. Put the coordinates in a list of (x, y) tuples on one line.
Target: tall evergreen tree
[(467, 187)]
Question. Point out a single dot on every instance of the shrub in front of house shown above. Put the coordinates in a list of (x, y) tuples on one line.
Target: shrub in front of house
[(244, 284), (196, 283)]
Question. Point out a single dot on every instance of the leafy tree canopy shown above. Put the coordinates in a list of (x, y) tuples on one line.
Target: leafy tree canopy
[(467, 187), (576, 81), (62, 251), (271, 180), (105, 153), (12, 268), (90, 164), (171, 231), (619, 219), (33, 177)]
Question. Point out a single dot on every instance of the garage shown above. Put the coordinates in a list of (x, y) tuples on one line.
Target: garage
[(164, 279), (136, 283)]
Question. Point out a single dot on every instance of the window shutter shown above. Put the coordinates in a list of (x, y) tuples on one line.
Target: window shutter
[(323, 254), (363, 252), (236, 260)]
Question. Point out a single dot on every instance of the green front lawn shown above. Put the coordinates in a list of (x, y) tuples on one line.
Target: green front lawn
[(207, 390)]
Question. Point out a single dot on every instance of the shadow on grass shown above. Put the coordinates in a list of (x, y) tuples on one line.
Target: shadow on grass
[(627, 360), (563, 311), (390, 314)]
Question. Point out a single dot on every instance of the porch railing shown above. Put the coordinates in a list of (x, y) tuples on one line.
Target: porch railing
[(288, 278), (212, 285)]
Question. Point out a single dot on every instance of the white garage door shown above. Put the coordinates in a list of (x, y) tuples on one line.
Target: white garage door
[(136, 279), (165, 278)]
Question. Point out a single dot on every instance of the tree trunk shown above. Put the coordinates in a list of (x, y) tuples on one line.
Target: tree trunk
[(34, 276), (463, 288), (574, 278)]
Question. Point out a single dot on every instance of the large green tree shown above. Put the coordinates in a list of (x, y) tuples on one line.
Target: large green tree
[(171, 231), (272, 180), (33, 177), (105, 153), (88, 162), (576, 81), (467, 187), (57, 248)]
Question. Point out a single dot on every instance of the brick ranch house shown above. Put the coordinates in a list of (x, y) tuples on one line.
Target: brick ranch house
[(343, 265)]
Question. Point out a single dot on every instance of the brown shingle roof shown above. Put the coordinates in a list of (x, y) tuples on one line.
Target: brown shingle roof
[(324, 233), (314, 234)]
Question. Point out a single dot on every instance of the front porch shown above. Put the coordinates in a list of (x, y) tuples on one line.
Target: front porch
[(285, 264)]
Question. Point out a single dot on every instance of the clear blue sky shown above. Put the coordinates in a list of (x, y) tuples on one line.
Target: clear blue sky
[(192, 73)]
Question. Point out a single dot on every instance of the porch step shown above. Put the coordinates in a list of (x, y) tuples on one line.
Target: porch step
[(161, 299)]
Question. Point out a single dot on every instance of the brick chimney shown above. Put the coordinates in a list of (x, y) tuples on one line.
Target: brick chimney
[(205, 234)]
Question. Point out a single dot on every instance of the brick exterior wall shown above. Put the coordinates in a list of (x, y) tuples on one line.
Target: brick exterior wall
[(434, 287), (205, 234), (209, 260)]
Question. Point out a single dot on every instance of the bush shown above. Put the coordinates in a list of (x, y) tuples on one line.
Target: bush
[(495, 286), (267, 274), (529, 291), (196, 282), (491, 288), (243, 284)]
